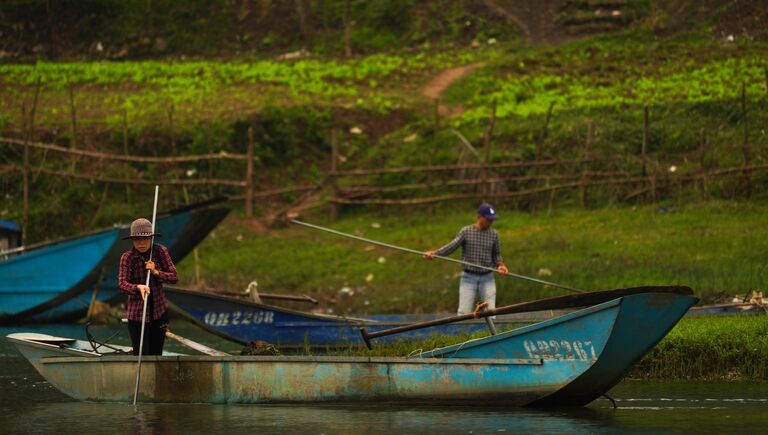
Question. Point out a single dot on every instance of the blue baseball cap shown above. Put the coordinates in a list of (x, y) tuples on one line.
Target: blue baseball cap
[(486, 210)]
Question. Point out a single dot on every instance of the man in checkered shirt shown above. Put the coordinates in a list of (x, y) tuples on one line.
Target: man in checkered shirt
[(479, 245)]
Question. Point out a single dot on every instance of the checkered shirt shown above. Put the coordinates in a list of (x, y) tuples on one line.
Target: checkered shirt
[(477, 247), (133, 272)]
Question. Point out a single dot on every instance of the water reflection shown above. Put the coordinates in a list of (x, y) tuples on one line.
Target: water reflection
[(113, 419)]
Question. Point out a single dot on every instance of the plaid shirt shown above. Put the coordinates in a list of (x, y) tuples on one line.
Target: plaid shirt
[(133, 271), (477, 247)]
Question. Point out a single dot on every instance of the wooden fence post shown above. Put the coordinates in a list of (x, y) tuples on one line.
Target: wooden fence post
[(584, 164), (125, 151), (25, 210), (195, 254), (171, 128), (544, 132), (28, 124), (644, 150), (73, 117), (702, 173), (487, 186), (347, 29), (210, 161), (332, 174), (436, 126), (73, 124), (745, 143), (249, 176)]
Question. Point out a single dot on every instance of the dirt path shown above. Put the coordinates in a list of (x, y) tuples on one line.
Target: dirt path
[(437, 86)]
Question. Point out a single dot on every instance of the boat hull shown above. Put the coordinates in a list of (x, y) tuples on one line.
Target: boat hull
[(37, 280), (181, 232), (531, 366), (202, 379)]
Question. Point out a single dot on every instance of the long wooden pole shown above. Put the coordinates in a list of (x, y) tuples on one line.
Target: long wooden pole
[(144, 310), (422, 253)]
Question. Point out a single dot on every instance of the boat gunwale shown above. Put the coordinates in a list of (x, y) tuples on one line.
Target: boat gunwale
[(524, 329), (113, 358), (48, 243)]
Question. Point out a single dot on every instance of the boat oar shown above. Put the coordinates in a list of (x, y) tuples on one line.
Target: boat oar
[(554, 303), (195, 345), (144, 310), (422, 253)]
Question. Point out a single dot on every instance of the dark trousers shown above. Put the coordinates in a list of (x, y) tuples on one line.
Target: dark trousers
[(154, 335)]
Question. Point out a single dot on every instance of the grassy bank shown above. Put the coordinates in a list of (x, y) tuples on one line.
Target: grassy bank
[(711, 247), (710, 348)]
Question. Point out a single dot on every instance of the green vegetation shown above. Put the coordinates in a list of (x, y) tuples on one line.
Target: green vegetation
[(710, 348), (202, 90)]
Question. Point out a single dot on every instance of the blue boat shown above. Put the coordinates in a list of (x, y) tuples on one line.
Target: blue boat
[(243, 321), (182, 229), (566, 361), (36, 279)]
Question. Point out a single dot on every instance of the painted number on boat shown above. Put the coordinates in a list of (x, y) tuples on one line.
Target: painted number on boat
[(560, 349), (239, 318)]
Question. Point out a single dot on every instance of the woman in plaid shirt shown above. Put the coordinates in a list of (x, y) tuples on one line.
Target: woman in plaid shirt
[(479, 245), (132, 277)]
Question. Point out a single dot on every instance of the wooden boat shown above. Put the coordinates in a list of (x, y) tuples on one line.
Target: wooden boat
[(37, 279), (182, 229), (243, 321), (569, 360)]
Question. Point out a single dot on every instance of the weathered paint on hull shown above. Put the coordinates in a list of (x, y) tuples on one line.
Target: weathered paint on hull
[(642, 322), (194, 379)]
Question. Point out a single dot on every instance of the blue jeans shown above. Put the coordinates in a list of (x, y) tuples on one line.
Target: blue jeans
[(476, 286)]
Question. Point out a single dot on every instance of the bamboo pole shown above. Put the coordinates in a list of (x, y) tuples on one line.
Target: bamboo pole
[(122, 157), (145, 297), (139, 181), (249, 176)]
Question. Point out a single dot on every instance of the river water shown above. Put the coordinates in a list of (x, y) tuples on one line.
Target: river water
[(28, 404)]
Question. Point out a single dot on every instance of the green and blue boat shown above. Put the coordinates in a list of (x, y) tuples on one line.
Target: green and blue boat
[(567, 361)]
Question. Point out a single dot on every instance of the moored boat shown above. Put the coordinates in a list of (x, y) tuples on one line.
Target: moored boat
[(243, 321), (182, 229), (569, 360), (36, 279)]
